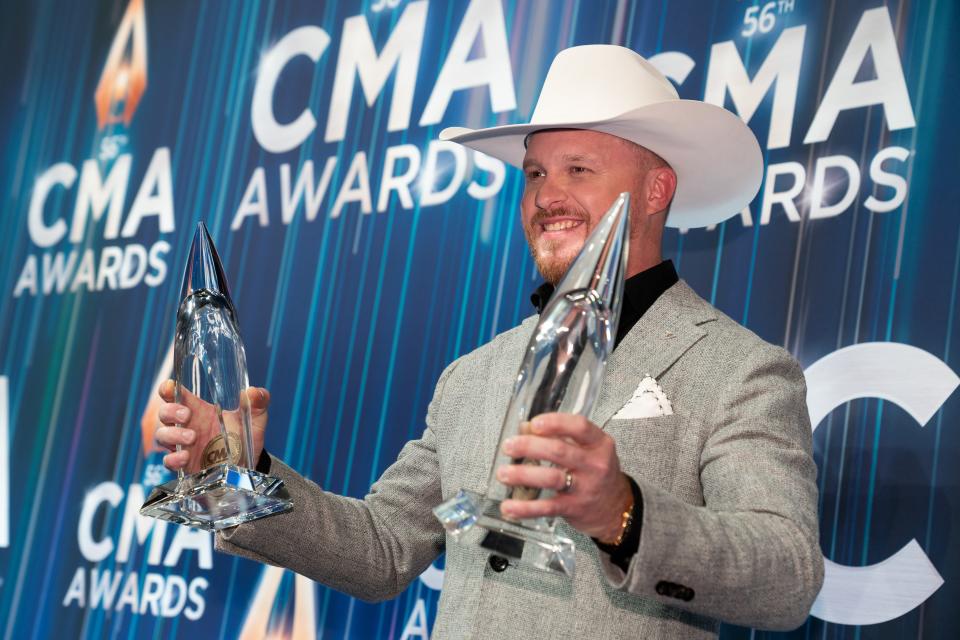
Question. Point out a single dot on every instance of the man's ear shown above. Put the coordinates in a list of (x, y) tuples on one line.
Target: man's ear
[(661, 185)]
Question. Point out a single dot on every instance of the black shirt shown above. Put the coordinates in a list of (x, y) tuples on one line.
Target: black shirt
[(640, 291)]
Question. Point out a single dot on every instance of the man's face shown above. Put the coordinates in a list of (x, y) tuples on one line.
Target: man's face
[(572, 176)]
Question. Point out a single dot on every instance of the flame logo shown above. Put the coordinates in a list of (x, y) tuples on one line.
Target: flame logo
[(124, 77), (304, 619)]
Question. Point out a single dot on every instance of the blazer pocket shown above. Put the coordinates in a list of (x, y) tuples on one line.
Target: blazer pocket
[(648, 447)]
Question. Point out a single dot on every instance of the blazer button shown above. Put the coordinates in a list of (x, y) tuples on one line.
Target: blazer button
[(498, 563), (674, 590)]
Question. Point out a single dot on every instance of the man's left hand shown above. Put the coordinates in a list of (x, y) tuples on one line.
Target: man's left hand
[(599, 494)]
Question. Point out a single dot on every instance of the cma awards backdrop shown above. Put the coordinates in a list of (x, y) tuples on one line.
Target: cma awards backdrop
[(365, 255)]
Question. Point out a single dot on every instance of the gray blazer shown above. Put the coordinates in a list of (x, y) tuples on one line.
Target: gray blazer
[(729, 528)]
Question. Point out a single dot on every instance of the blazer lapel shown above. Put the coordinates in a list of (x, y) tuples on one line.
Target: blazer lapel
[(661, 336)]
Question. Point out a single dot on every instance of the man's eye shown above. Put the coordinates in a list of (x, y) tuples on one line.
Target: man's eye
[(578, 170), (533, 174)]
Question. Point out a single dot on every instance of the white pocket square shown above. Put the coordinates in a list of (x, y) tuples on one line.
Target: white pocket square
[(648, 401)]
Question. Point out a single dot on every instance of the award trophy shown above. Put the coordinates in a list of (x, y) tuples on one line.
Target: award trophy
[(561, 371), (219, 487)]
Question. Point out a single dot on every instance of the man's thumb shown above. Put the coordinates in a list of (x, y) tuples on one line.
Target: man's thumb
[(259, 400)]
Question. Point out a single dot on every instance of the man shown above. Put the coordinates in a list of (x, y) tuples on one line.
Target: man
[(690, 493)]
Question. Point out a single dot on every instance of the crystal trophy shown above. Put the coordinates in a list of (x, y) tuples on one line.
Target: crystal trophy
[(219, 486), (561, 372)]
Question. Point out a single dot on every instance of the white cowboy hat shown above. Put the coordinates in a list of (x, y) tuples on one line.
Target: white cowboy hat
[(614, 90)]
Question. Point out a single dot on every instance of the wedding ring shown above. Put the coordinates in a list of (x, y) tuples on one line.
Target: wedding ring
[(567, 482)]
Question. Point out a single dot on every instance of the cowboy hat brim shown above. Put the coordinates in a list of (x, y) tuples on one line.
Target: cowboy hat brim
[(716, 157)]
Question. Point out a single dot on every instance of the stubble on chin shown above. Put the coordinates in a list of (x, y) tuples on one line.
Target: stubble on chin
[(549, 256), (551, 265)]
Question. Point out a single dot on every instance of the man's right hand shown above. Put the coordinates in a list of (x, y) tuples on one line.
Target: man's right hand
[(194, 423)]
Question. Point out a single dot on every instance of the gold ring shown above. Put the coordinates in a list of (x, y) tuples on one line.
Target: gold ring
[(567, 482)]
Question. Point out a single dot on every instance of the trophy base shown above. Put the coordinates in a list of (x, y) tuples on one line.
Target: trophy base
[(217, 497), (476, 520)]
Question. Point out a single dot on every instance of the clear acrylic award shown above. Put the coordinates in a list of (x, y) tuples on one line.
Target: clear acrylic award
[(561, 372), (219, 487)]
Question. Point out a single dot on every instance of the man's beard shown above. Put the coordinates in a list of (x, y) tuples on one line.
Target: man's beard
[(551, 266)]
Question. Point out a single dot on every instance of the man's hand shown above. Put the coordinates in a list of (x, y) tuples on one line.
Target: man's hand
[(195, 423), (600, 493)]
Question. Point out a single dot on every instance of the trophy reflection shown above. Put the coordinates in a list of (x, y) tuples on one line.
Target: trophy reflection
[(218, 487), (561, 372)]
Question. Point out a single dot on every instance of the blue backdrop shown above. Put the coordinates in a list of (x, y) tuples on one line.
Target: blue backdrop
[(364, 257)]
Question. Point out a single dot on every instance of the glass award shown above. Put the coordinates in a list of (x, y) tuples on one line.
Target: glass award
[(561, 372), (219, 486)]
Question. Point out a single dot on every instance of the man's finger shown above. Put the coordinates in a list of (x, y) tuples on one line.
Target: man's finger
[(562, 454), (176, 460), (170, 414), (170, 437), (526, 475), (566, 425), (259, 399), (167, 390), (525, 509), (173, 414)]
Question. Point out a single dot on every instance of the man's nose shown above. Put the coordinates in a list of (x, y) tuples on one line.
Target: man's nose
[(550, 194)]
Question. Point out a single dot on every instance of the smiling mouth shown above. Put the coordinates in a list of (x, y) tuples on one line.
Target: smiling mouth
[(560, 225)]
